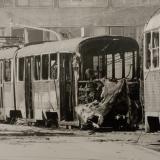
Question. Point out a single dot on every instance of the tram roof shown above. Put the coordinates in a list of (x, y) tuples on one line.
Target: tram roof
[(110, 44), (50, 47), (154, 23), (7, 53)]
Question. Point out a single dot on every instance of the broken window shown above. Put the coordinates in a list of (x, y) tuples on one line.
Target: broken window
[(109, 66), (37, 67), (45, 61), (155, 49), (7, 70), (21, 69), (97, 66), (53, 66), (128, 64), (148, 51), (118, 66)]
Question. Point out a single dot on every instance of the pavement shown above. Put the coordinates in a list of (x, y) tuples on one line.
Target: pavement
[(33, 143)]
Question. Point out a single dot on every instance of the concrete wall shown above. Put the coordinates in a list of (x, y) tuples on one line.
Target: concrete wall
[(116, 17)]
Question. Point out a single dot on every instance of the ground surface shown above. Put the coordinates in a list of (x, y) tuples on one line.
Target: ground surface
[(31, 143)]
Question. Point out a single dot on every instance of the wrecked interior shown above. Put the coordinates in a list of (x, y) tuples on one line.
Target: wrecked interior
[(108, 87)]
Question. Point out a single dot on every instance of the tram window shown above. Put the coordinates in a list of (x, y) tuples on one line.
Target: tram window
[(21, 69), (155, 49), (109, 66), (128, 64), (97, 66), (7, 70), (118, 66), (53, 66), (37, 67), (148, 51), (45, 61)]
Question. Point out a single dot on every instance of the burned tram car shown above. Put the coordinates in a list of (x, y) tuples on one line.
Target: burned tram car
[(94, 80), (108, 88)]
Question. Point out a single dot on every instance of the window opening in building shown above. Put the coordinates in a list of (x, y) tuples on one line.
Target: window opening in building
[(21, 69), (37, 67), (45, 62), (22, 3), (8, 3), (53, 66)]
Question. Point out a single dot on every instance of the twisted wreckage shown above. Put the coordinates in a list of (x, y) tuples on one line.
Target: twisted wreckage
[(107, 104)]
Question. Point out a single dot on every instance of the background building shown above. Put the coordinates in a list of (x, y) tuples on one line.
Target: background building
[(71, 18)]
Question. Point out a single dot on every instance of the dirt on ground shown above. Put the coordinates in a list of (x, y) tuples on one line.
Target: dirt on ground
[(31, 133)]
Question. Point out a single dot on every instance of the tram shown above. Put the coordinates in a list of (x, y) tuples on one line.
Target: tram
[(46, 81), (107, 61), (151, 69)]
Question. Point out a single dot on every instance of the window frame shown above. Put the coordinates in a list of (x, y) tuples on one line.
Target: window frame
[(11, 71), (34, 79), (57, 77), (18, 80), (49, 78), (151, 68)]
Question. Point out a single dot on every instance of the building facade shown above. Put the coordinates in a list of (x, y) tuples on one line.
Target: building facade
[(73, 18)]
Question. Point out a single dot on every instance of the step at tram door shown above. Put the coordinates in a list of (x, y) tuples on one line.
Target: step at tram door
[(28, 88), (66, 85)]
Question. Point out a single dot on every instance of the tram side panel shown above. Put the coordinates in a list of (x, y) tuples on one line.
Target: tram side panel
[(6, 89), (151, 80), (152, 100), (20, 98), (45, 99), (36, 98)]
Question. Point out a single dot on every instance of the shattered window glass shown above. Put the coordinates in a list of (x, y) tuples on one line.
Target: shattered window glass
[(21, 69), (53, 66), (37, 67), (45, 62), (7, 70)]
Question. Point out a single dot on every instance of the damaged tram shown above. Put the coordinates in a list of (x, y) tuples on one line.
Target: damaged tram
[(94, 80), (151, 67), (108, 87)]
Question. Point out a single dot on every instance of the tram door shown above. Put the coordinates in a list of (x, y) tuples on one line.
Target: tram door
[(1, 91), (66, 84), (28, 88)]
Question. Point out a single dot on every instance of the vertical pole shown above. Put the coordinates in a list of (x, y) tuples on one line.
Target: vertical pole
[(133, 63), (113, 66), (123, 64), (106, 65)]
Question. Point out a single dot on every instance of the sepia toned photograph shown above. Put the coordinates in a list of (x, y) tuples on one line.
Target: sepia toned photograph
[(79, 80)]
